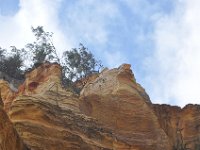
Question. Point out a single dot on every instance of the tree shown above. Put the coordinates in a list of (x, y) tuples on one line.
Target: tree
[(79, 63), (42, 49), (76, 64), (2, 54), (2, 58), (11, 65)]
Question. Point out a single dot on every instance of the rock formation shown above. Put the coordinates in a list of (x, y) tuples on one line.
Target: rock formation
[(112, 112), (9, 139), (7, 94), (181, 125), (120, 104)]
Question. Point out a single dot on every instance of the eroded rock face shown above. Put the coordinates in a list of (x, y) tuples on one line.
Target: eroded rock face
[(43, 111), (113, 112), (7, 94), (47, 117), (38, 78), (9, 139), (181, 125), (120, 104)]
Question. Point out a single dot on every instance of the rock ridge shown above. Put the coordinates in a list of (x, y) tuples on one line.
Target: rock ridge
[(112, 112)]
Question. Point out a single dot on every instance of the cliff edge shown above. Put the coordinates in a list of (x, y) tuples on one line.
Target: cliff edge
[(112, 112)]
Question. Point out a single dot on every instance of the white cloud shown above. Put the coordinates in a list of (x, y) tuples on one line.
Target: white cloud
[(176, 61), (89, 20), (115, 59), (174, 68), (15, 30), (75, 22)]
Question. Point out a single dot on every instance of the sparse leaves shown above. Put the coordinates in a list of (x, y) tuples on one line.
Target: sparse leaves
[(79, 62), (42, 49), (11, 65)]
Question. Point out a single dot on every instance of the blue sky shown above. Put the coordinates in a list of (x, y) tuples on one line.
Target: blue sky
[(159, 38)]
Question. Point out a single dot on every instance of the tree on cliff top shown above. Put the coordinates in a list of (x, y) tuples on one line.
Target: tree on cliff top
[(79, 62), (42, 49), (76, 63), (12, 64), (2, 53)]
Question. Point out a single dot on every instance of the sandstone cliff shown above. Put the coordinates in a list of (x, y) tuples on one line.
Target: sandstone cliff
[(9, 138), (112, 112), (181, 125)]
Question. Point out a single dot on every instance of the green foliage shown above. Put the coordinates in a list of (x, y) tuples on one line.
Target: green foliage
[(2, 54), (42, 49), (11, 65), (79, 63)]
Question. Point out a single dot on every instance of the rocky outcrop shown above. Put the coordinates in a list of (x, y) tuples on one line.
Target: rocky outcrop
[(14, 83), (9, 139), (112, 112), (120, 104), (181, 125), (47, 117), (7, 94)]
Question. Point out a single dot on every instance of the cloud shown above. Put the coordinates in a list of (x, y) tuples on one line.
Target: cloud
[(89, 20), (115, 58), (72, 22), (159, 38), (16, 29), (175, 64), (92, 23)]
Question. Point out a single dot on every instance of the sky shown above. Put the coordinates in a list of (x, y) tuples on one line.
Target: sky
[(159, 38)]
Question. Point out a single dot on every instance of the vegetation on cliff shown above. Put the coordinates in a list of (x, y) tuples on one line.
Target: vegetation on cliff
[(76, 63)]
